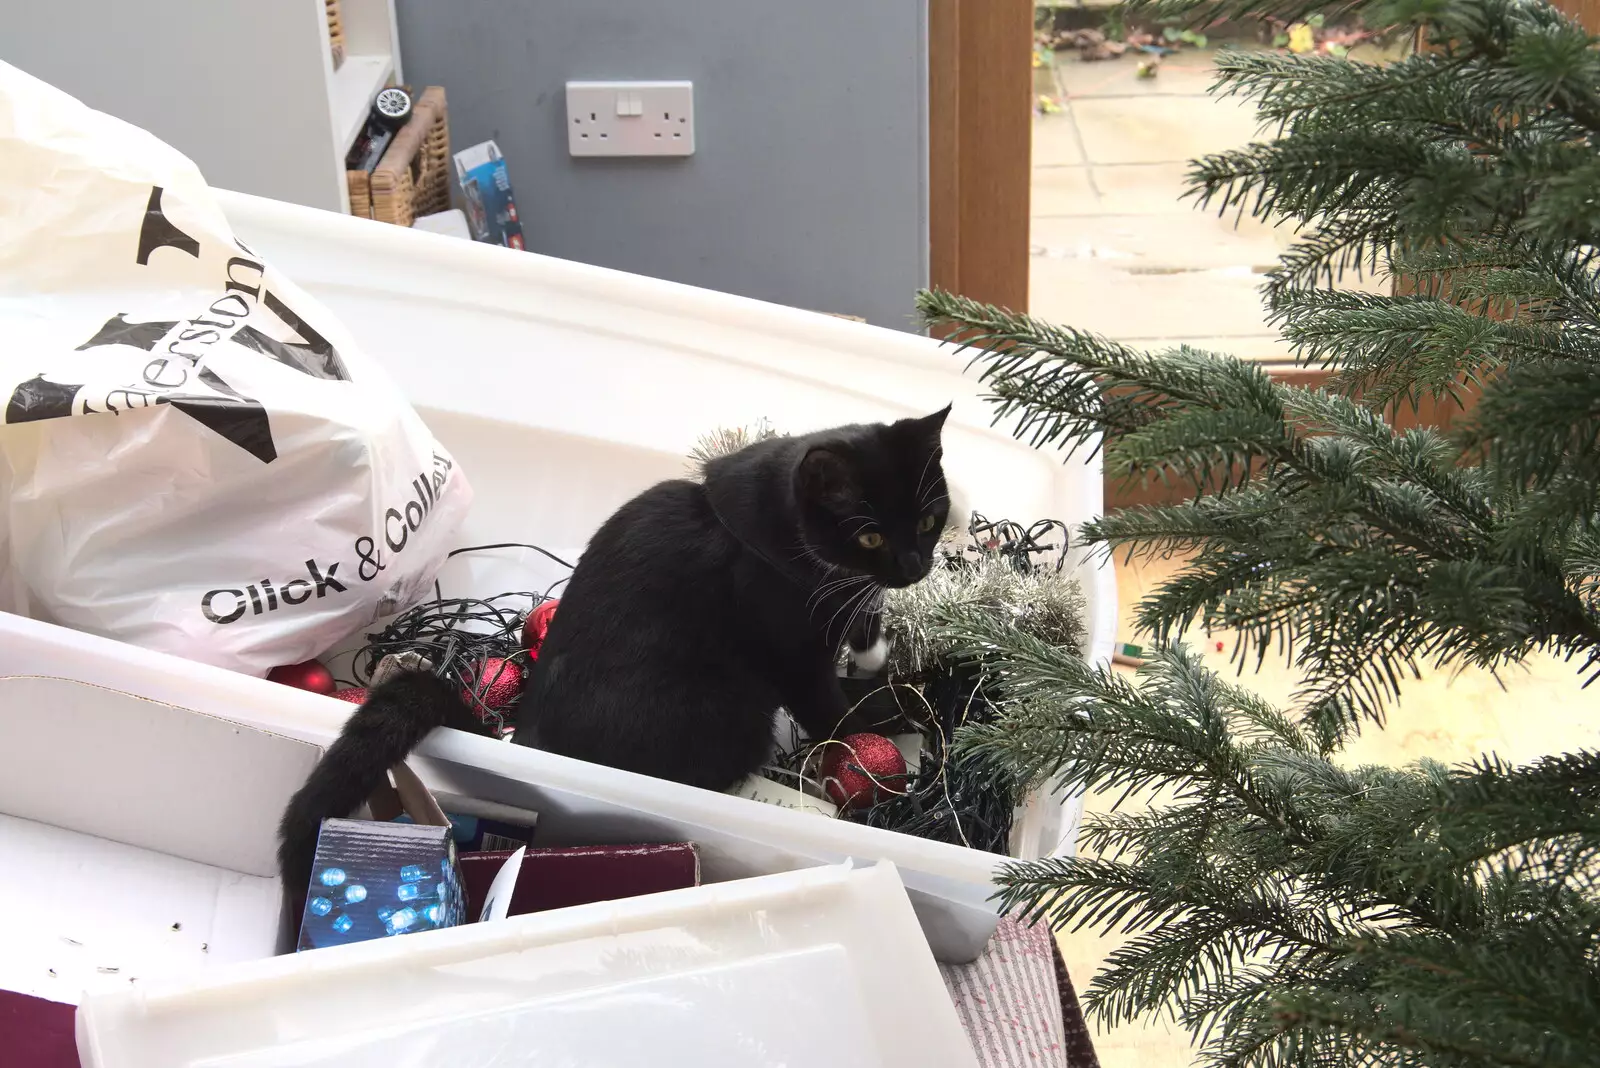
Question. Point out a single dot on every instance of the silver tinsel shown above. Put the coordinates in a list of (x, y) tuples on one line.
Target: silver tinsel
[(725, 440), (1043, 602)]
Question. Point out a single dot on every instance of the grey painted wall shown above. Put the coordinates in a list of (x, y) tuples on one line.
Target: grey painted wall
[(809, 182)]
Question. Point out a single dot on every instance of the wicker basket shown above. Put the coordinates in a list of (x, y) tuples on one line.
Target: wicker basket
[(413, 178), (336, 32)]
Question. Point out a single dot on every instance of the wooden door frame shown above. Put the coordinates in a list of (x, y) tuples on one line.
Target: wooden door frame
[(980, 134), (1585, 12)]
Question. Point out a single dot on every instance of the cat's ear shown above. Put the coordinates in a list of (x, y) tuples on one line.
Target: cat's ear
[(828, 479), (930, 427)]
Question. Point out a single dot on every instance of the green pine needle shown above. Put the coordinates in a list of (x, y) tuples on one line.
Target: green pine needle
[(1287, 909)]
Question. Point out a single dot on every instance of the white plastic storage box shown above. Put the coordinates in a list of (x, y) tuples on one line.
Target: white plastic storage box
[(578, 803), (139, 846), (564, 389), (139, 839), (731, 976)]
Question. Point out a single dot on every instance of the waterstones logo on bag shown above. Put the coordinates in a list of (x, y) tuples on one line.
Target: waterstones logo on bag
[(230, 605), (167, 363)]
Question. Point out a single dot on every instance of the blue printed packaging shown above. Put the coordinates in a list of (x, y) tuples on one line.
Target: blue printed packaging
[(377, 879), (486, 189)]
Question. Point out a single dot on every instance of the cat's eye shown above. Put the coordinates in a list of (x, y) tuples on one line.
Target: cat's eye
[(871, 540), (927, 524)]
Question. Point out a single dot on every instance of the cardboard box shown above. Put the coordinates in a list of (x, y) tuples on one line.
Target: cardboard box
[(563, 877), (398, 871), (486, 188)]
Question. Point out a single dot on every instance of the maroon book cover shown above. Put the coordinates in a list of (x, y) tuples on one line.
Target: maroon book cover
[(580, 875), (36, 1033)]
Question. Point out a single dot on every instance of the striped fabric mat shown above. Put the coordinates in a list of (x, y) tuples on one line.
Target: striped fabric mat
[(1018, 1005)]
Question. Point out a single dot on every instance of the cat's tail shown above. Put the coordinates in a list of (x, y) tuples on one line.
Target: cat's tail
[(397, 715)]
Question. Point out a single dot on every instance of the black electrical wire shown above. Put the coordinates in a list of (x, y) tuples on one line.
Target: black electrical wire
[(457, 635)]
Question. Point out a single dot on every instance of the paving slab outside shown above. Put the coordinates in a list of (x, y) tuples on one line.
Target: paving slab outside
[(1115, 248)]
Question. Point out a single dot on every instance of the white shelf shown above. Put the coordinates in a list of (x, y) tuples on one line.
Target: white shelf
[(98, 51), (355, 83)]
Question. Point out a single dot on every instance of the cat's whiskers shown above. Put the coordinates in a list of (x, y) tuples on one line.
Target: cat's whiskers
[(923, 478), (876, 604), (853, 601), (840, 581), (839, 587), (834, 586), (807, 552)]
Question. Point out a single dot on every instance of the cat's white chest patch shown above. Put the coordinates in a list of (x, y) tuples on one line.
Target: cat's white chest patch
[(872, 658)]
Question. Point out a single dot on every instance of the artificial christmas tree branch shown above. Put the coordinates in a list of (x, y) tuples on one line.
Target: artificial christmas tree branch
[(1286, 908), (1297, 911), (1359, 550)]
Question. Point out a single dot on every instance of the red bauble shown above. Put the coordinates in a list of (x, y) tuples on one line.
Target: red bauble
[(310, 675), (862, 769), (356, 695), (536, 626), (495, 684)]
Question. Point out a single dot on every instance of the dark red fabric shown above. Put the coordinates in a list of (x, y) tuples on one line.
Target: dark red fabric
[(35, 1033), (558, 878)]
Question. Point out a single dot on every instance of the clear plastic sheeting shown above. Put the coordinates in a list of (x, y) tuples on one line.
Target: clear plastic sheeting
[(825, 967)]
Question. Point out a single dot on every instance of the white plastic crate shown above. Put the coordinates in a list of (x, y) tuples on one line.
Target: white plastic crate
[(578, 803), (564, 389), (139, 840)]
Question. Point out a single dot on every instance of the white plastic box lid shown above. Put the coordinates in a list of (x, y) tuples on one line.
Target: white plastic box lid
[(823, 968), (139, 837)]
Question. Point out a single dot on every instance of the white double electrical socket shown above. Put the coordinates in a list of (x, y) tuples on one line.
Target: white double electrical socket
[(630, 118)]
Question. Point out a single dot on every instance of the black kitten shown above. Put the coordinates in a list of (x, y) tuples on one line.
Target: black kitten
[(696, 611), (699, 608)]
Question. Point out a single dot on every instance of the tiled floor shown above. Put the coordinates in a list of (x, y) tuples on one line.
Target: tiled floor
[(1115, 249), (1117, 252)]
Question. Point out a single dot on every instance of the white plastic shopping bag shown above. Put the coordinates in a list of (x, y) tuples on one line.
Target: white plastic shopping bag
[(194, 455)]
